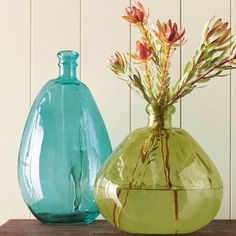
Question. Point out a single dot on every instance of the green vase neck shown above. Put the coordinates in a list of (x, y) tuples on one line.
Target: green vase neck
[(67, 65), (162, 120)]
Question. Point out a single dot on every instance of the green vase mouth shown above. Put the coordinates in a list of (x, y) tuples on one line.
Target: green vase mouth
[(160, 119)]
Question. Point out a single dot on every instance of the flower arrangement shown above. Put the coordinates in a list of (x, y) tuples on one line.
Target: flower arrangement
[(147, 71), (215, 55)]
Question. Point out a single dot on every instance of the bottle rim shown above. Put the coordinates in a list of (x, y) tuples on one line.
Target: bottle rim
[(68, 54)]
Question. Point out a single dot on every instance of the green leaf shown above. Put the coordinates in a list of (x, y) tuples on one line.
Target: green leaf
[(227, 40), (202, 46), (187, 67), (215, 60), (176, 86), (229, 67), (222, 56), (213, 46), (225, 48), (208, 54), (137, 79), (207, 78), (218, 22)]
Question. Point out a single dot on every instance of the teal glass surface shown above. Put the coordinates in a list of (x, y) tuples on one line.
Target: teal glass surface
[(64, 145)]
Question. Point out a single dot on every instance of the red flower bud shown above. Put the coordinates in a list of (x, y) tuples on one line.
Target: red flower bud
[(142, 51), (135, 14), (117, 64), (217, 32)]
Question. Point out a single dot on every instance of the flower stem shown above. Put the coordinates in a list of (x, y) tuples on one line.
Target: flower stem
[(166, 64), (167, 161), (176, 205), (118, 191), (150, 44), (176, 208), (126, 198), (164, 88), (148, 80), (162, 155), (123, 205)]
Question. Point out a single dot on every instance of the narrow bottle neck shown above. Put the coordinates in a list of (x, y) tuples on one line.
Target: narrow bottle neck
[(67, 65), (67, 71), (159, 120)]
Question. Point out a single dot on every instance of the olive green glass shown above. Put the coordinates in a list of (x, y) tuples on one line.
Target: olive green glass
[(159, 181)]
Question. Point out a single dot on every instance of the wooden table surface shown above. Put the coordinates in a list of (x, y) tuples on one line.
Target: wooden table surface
[(99, 228)]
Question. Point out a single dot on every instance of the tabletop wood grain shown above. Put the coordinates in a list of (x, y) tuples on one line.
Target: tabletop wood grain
[(99, 228)]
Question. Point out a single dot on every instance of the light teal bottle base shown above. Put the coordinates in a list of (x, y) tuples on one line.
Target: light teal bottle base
[(79, 218)]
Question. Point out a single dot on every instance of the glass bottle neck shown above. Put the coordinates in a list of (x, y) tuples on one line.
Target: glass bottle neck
[(161, 120), (67, 71), (68, 65)]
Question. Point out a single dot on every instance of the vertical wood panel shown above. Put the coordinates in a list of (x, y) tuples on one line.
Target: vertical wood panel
[(14, 101), (233, 119), (55, 27), (104, 32), (206, 112), (162, 10)]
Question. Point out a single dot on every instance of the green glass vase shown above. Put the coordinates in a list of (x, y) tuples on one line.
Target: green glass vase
[(159, 181), (64, 145)]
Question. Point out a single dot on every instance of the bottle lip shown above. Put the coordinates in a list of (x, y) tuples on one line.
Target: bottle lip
[(67, 54)]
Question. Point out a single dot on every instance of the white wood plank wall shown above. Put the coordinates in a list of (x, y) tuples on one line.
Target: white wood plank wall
[(33, 31)]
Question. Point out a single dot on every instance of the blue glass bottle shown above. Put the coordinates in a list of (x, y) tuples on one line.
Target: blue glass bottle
[(64, 145)]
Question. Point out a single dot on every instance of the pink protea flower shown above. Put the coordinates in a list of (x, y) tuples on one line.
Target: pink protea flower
[(168, 32), (136, 14)]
